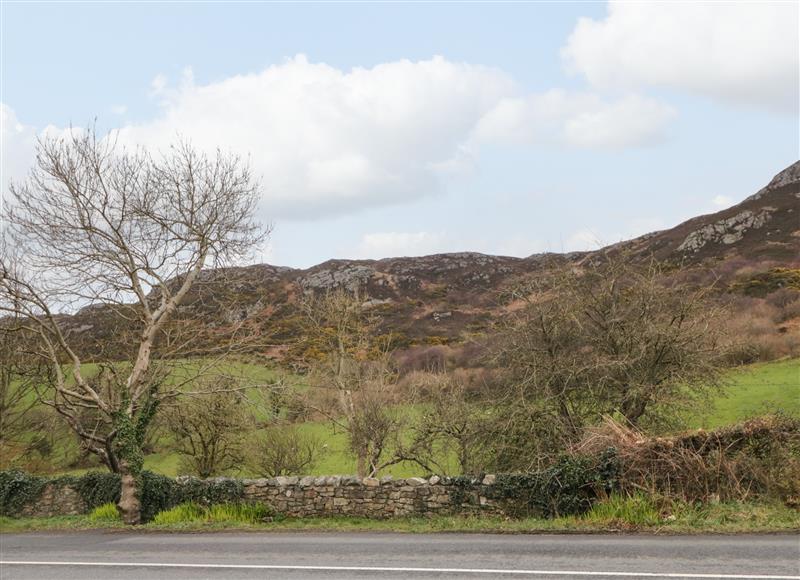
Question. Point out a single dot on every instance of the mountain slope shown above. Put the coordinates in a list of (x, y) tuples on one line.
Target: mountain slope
[(445, 298), (765, 226)]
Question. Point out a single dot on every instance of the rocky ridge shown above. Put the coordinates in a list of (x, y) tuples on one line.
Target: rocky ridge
[(445, 298)]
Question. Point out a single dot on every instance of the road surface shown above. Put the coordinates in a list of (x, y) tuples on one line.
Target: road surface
[(233, 556)]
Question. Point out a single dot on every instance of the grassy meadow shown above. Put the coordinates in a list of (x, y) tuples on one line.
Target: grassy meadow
[(748, 391), (753, 390)]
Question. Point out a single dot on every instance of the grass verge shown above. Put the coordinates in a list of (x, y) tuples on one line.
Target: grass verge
[(615, 515)]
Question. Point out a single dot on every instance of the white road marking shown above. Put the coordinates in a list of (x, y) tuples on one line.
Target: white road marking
[(403, 569)]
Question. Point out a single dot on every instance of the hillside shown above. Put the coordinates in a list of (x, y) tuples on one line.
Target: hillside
[(446, 298), (763, 227)]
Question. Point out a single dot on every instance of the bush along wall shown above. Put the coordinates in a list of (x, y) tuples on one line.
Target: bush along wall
[(569, 487), (22, 494)]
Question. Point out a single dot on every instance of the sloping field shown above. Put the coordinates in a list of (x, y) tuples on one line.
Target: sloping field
[(754, 390)]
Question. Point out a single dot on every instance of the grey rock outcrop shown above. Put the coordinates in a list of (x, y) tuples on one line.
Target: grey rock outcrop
[(726, 231), (788, 176)]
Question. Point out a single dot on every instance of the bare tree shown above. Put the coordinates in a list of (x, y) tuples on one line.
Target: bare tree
[(209, 429), (456, 422), (355, 375), (284, 450), (609, 337), (96, 226), (18, 378)]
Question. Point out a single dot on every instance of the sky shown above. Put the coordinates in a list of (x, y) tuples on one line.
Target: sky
[(402, 129)]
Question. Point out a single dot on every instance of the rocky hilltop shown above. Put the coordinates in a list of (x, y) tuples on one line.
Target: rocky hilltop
[(765, 226)]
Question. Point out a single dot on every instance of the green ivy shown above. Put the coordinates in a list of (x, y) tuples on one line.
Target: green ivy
[(156, 493), (18, 489), (210, 491), (98, 488), (570, 486), (131, 430)]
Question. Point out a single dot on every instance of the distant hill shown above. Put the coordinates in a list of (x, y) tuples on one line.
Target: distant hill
[(445, 298)]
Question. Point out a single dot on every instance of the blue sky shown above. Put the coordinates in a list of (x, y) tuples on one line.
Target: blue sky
[(391, 129)]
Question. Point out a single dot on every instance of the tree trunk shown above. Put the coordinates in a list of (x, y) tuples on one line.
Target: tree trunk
[(129, 506), (361, 465)]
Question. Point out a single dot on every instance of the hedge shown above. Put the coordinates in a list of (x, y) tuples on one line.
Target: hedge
[(569, 487)]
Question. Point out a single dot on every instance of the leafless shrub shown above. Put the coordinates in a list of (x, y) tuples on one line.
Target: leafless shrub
[(209, 430), (610, 337), (284, 450), (353, 381), (455, 422)]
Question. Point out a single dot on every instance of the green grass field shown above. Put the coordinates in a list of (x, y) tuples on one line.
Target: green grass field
[(748, 391), (754, 390)]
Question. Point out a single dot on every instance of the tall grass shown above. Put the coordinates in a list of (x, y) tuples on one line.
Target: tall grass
[(105, 513), (635, 510), (229, 513)]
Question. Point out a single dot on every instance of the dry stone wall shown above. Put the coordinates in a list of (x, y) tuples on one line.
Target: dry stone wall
[(372, 497), (324, 496)]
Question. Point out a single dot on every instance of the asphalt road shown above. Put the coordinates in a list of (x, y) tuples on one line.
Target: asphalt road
[(233, 556)]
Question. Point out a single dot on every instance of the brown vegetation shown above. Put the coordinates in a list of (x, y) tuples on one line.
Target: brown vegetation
[(760, 457)]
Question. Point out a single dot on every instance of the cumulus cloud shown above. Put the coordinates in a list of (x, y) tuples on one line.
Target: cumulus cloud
[(392, 244), (17, 143), (576, 119), (739, 52), (327, 141), (582, 240), (722, 201)]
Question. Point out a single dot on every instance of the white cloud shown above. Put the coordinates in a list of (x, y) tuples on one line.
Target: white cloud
[(330, 141), (582, 240), (394, 244), (722, 201), (576, 119), (740, 52), (595, 238), (17, 144), (327, 141)]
